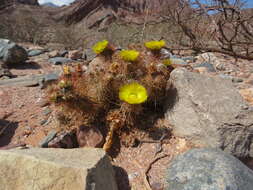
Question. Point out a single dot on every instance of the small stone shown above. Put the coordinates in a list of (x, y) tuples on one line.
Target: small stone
[(51, 135), (235, 79), (35, 52), (210, 67), (228, 77), (189, 59), (59, 60), (201, 70), (178, 61), (54, 53), (89, 137), (221, 67), (46, 111), (64, 140), (63, 53), (75, 54), (42, 122)]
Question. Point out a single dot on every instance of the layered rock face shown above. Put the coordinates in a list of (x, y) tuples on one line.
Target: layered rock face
[(122, 8)]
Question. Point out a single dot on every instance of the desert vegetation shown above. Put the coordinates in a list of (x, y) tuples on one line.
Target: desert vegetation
[(119, 90)]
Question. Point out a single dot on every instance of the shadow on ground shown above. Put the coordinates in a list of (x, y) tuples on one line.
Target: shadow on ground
[(26, 65), (121, 178), (7, 131)]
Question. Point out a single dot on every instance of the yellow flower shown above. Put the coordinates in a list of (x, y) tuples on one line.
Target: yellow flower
[(167, 62), (99, 47), (133, 93), (66, 70), (64, 84), (129, 55), (155, 45)]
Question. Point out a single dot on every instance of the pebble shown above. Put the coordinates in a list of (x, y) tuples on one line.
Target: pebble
[(46, 111), (235, 79), (207, 65), (51, 135)]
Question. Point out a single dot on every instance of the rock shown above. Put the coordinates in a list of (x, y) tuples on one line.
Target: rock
[(4, 71), (166, 54), (247, 94), (228, 77), (46, 111), (89, 55), (51, 135), (189, 59), (56, 169), (210, 67), (89, 137), (75, 54), (178, 61), (64, 140), (208, 111), (63, 53), (54, 53), (11, 53), (236, 79), (208, 57), (208, 169), (201, 70), (59, 60), (32, 80), (35, 52)]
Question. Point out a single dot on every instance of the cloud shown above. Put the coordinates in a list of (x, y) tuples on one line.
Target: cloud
[(56, 2)]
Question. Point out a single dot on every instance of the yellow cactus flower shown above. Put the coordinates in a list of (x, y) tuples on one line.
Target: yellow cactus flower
[(133, 93), (66, 70), (64, 84), (167, 62), (155, 45), (100, 47), (129, 55)]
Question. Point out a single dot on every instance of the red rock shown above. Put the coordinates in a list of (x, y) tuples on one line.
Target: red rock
[(89, 137)]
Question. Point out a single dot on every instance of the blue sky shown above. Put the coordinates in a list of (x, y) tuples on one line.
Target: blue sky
[(249, 3), (57, 2)]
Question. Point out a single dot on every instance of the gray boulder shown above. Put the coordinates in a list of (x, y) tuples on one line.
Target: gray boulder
[(208, 169), (56, 169), (59, 60), (11, 53), (35, 52), (209, 112), (207, 65)]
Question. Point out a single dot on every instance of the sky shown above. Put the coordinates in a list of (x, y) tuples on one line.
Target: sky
[(249, 3), (56, 2)]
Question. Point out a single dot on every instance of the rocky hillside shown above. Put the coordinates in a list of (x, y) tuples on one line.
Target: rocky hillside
[(10, 3), (127, 9)]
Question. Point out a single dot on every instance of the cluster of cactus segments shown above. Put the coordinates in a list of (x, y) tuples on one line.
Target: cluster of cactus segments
[(119, 89)]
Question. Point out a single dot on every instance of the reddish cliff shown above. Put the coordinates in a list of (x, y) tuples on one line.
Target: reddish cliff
[(126, 9)]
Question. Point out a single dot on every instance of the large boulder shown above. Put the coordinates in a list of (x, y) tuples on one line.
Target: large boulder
[(12, 53), (208, 169), (209, 112), (56, 169)]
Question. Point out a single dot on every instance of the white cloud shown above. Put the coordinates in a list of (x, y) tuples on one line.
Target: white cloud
[(57, 2)]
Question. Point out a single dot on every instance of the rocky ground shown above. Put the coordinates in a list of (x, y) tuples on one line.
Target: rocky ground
[(26, 117)]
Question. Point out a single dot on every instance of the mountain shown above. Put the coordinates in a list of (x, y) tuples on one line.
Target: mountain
[(50, 5), (95, 10), (10, 3)]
